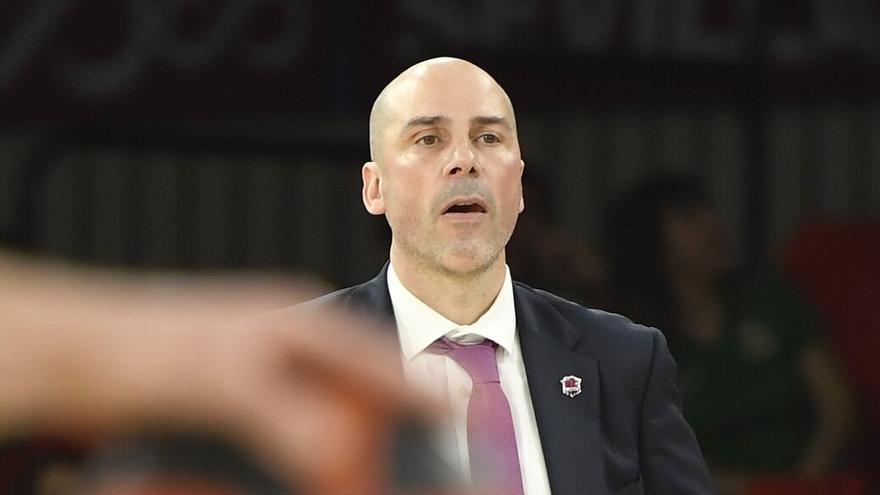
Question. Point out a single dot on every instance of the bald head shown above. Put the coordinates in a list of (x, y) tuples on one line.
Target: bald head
[(419, 82)]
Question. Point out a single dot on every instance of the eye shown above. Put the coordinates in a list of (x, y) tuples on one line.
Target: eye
[(489, 138), (428, 140)]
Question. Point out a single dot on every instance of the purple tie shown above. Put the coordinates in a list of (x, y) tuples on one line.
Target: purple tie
[(491, 439)]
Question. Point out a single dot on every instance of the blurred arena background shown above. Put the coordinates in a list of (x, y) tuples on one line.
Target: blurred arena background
[(193, 134), (206, 134)]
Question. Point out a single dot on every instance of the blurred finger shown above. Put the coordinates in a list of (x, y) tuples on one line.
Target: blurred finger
[(351, 354)]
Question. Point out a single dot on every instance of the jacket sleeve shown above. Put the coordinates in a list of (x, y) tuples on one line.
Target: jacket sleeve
[(669, 456)]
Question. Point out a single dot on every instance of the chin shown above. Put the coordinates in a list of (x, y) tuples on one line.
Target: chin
[(469, 261)]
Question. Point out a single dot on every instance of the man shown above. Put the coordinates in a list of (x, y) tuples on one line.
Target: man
[(591, 396)]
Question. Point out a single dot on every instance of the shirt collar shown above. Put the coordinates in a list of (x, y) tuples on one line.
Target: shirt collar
[(419, 325)]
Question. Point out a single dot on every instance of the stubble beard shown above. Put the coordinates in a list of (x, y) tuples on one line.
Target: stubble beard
[(459, 257), (452, 258)]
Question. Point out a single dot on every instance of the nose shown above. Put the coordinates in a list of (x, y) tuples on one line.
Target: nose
[(462, 160)]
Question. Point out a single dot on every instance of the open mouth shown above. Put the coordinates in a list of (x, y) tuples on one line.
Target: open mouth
[(465, 206)]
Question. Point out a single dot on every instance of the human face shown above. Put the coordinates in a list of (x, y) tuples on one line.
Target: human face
[(448, 170)]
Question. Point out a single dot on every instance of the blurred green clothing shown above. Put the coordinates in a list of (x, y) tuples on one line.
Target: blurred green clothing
[(746, 397)]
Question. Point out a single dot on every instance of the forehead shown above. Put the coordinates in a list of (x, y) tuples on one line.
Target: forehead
[(455, 94)]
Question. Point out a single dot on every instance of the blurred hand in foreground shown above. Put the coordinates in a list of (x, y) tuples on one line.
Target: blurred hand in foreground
[(312, 395)]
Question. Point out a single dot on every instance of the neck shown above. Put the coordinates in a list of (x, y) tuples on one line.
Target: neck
[(460, 297), (700, 307)]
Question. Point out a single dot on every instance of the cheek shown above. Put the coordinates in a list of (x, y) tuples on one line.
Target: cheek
[(404, 192), (510, 186)]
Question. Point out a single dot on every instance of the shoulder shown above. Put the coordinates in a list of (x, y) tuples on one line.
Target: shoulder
[(357, 298), (772, 292), (370, 298), (338, 298), (601, 332)]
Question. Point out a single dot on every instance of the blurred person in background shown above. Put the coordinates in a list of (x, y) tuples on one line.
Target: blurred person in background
[(546, 395), (759, 387), (95, 357), (547, 256)]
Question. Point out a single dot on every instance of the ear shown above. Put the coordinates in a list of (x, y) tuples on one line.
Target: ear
[(522, 203), (374, 202)]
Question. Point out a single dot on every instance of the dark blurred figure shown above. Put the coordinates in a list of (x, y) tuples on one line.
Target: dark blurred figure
[(546, 256), (759, 388)]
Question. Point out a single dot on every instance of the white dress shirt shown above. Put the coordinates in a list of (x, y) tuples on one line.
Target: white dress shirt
[(418, 326)]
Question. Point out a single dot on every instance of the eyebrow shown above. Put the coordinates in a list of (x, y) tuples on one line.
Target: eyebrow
[(428, 120), (491, 120), (425, 120)]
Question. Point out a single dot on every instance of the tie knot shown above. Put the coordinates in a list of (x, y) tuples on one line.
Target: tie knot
[(477, 359)]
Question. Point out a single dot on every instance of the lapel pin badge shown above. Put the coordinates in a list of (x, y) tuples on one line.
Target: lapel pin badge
[(571, 385)]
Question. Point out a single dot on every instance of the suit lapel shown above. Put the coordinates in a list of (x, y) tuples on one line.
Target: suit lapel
[(569, 427)]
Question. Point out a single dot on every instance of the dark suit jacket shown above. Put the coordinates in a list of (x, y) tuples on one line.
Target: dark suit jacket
[(624, 434)]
